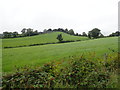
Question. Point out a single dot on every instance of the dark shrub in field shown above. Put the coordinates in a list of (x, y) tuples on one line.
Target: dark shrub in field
[(79, 73)]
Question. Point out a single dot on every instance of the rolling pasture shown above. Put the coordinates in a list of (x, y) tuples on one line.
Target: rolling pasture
[(39, 39), (39, 55)]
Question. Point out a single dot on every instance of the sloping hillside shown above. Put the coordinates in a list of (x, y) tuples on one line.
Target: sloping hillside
[(40, 55), (39, 39)]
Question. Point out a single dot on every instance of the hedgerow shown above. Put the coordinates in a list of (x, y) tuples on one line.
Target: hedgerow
[(80, 72)]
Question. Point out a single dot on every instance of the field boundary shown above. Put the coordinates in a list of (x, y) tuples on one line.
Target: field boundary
[(44, 44)]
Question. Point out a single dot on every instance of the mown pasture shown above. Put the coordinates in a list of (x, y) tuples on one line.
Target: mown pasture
[(39, 39), (39, 55)]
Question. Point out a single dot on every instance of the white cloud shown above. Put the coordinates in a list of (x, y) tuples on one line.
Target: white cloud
[(80, 15)]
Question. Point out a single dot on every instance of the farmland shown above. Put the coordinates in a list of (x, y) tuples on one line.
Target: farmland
[(39, 39), (40, 55), (82, 63)]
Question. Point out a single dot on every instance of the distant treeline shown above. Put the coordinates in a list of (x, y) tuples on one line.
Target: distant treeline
[(117, 33), (94, 33)]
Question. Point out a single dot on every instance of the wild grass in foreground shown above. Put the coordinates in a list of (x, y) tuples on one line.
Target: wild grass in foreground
[(80, 72)]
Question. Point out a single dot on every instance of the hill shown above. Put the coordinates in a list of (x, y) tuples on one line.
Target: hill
[(40, 55), (39, 39)]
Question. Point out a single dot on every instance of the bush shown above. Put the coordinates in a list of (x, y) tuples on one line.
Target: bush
[(79, 73), (59, 37)]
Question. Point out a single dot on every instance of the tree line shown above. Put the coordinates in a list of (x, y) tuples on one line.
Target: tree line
[(117, 33), (25, 32), (94, 33)]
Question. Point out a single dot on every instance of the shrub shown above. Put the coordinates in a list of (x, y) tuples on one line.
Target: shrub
[(79, 73), (59, 37)]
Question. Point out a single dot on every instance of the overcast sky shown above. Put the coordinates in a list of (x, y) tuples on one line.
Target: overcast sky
[(79, 15)]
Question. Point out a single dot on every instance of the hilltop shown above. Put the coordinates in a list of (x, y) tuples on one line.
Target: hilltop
[(40, 39)]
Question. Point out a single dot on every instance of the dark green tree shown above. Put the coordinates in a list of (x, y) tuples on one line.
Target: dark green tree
[(15, 34), (79, 35), (84, 34), (76, 34), (71, 32), (29, 32), (94, 33), (117, 33), (6, 34), (49, 29), (59, 37), (45, 30), (23, 30), (66, 30), (89, 34), (36, 32)]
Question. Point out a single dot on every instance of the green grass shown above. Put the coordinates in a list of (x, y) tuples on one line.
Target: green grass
[(38, 39), (39, 55)]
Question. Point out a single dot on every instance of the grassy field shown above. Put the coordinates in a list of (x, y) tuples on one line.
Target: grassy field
[(38, 39), (39, 55)]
